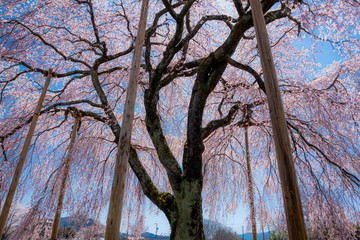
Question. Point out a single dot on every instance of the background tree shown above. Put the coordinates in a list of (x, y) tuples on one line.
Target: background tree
[(66, 233), (211, 227), (223, 234), (278, 235), (200, 69)]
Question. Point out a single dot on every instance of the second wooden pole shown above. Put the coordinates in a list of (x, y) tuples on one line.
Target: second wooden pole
[(68, 160), (122, 157), (250, 185), (290, 189), (20, 165)]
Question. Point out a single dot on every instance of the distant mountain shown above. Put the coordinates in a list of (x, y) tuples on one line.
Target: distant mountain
[(151, 236), (248, 236), (70, 222), (147, 236)]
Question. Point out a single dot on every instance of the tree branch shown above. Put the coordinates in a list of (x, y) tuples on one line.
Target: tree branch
[(163, 200), (345, 172), (218, 123), (41, 38), (250, 70)]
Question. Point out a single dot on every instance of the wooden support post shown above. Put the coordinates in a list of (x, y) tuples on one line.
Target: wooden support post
[(118, 186), (10, 196), (289, 184), (68, 160), (250, 185)]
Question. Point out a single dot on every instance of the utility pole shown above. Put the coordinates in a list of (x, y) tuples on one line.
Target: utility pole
[(20, 165), (156, 230), (122, 157), (243, 232), (289, 184), (55, 227)]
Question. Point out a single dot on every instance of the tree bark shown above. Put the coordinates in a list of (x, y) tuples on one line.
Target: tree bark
[(20, 164), (56, 222), (122, 157), (289, 184), (188, 223), (250, 186)]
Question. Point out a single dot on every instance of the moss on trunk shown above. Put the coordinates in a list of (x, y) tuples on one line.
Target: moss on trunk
[(188, 223)]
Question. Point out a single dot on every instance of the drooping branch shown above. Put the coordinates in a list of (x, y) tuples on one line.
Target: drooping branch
[(45, 72), (343, 171), (52, 46), (54, 109), (69, 103)]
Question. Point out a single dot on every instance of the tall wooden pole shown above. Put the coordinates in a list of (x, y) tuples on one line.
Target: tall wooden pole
[(10, 196), (250, 185), (289, 184), (118, 186), (68, 160)]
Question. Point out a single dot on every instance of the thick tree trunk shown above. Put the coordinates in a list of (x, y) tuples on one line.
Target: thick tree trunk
[(55, 226), (188, 223), (9, 198), (250, 185), (122, 157), (290, 189)]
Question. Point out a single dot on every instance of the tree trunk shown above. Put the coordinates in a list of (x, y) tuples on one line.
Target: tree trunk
[(289, 184), (122, 157), (55, 226), (188, 222), (250, 186), (9, 198)]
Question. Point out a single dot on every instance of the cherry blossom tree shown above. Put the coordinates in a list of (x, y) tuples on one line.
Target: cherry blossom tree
[(200, 72)]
